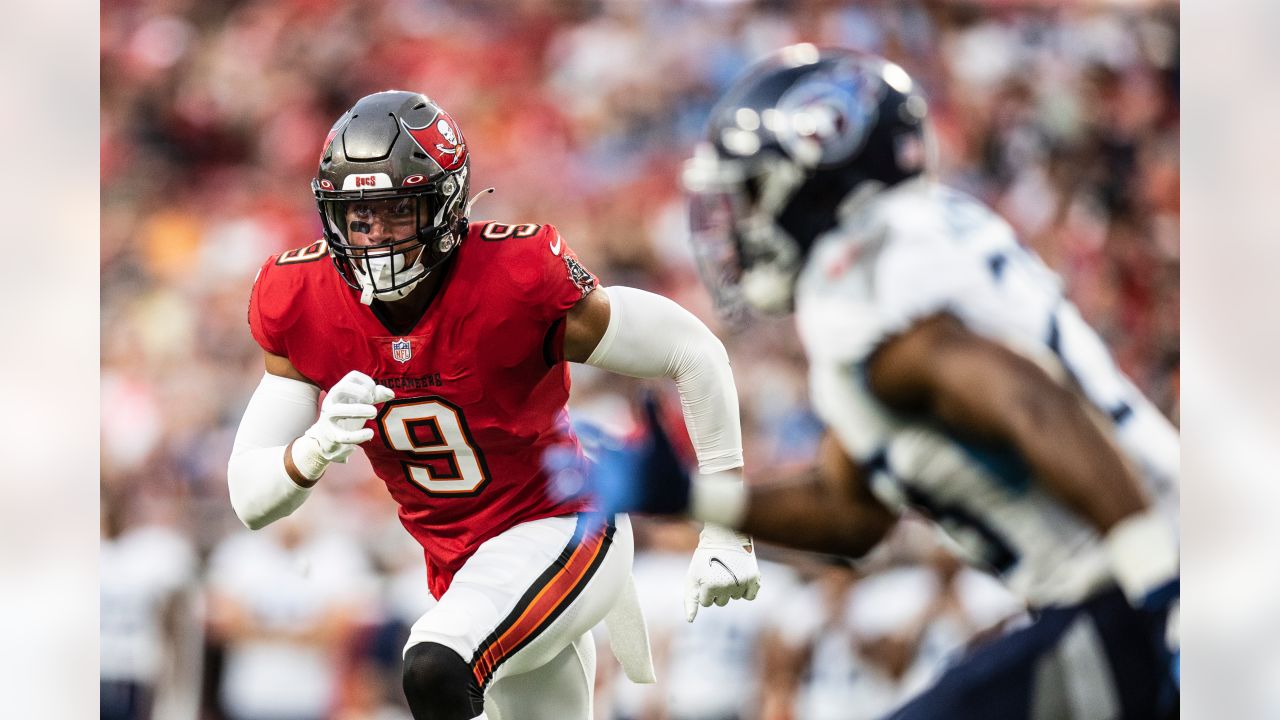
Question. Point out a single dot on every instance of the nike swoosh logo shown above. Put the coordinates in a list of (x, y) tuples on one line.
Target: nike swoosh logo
[(555, 246), (732, 574)]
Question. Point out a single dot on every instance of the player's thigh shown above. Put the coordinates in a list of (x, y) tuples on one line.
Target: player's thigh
[(529, 592), (561, 689), (584, 608)]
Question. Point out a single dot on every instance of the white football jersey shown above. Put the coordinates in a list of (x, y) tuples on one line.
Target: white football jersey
[(919, 249), (141, 570), (839, 682), (286, 590)]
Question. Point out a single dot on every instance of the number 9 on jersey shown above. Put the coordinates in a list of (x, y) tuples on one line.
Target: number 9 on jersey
[(445, 460)]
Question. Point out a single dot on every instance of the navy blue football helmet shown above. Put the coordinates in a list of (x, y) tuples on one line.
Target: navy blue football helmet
[(800, 136)]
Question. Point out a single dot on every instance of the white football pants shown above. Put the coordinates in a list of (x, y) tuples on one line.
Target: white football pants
[(520, 611)]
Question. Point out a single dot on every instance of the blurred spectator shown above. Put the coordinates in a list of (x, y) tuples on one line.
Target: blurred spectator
[(150, 638), (404, 599), (711, 669), (283, 604), (873, 635), (834, 676)]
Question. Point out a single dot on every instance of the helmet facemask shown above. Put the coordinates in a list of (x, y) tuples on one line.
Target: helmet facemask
[(384, 242), (748, 261)]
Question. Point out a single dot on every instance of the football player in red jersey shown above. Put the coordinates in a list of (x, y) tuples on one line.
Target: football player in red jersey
[(443, 346)]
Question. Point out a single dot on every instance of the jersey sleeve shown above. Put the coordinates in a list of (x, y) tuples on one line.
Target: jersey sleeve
[(261, 323), (916, 279), (555, 279), (852, 312)]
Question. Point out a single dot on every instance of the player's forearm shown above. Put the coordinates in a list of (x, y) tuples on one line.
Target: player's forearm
[(229, 620), (828, 509), (327, 631), (261, 487), (805, 514), (649, 336)]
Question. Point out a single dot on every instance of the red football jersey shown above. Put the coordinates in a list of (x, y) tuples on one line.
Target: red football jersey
[(480, 382)]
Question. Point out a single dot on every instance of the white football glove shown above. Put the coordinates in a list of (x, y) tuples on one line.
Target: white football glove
[(333, 437), (724, 568)]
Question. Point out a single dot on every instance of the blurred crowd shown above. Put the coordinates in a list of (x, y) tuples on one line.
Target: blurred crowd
[(1062, 115)]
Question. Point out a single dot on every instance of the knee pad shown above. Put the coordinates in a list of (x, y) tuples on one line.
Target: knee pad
[(439, 684)]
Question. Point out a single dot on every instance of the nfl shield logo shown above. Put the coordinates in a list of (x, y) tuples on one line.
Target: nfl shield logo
[(401, 350)]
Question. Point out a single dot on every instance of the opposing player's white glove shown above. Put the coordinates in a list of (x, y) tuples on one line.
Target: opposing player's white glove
[(724, 568), (343, 413)]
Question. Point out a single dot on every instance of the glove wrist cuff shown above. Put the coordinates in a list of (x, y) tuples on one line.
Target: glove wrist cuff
[(1143, 552), (308, 458), (717, 537), (719, 498)]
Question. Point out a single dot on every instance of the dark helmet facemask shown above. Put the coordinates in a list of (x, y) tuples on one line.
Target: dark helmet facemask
[(421, 240), (797, 142), (747, 260)]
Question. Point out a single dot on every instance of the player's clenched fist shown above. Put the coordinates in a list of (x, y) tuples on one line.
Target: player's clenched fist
[(349, 404), (724, 568)]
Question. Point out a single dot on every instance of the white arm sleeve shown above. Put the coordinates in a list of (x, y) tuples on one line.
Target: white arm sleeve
[(280, 410), (650, 336)]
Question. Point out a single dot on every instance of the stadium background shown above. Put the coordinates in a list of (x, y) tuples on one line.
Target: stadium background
[(1064, 116)]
